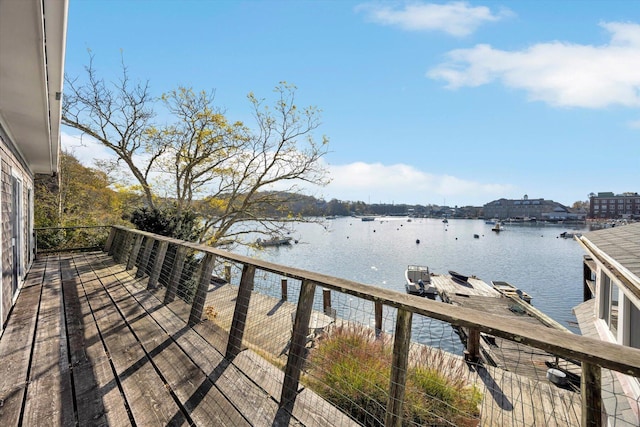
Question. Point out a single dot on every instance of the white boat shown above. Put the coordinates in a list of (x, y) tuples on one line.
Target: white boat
[(418, 281), (368, 218), (497, 227), (274, 241), (508, 289)]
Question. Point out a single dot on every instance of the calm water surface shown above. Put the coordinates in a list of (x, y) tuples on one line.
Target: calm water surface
[(376, 253)]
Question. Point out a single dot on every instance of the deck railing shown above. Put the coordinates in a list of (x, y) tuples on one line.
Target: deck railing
[(60, 239), (300, 321)]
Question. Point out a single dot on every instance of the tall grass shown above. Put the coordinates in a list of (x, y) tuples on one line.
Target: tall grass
[(351, 367)]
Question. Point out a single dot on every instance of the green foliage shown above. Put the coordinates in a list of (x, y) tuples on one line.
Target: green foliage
[(167, 222), (351, 369), (78, 197)]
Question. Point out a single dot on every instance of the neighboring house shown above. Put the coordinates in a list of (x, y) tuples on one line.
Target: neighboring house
[(32, 50), (611, 311)]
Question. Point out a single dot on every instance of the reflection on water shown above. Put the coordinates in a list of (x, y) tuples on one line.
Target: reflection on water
[(533, 258)]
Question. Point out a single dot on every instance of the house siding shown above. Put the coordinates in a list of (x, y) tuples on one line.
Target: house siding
[(12, 166)]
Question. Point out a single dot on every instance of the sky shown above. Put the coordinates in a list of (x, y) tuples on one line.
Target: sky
[(448, 103)]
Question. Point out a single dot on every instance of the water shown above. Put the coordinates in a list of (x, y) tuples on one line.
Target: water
[(533, 258)]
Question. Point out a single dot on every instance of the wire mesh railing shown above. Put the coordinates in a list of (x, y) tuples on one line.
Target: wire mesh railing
[(380, 357), (61, 239)]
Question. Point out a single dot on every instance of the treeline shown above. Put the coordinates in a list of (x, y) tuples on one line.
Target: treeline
[(84, 196)]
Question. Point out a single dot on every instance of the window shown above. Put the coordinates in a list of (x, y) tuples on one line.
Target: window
[(605, 292), (634, 326), (613, 318), (609, 303)]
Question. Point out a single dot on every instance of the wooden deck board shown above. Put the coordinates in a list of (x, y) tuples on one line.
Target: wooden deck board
[(50, 374), (98, 399), (15, 347), (145, 392), (204, 402)]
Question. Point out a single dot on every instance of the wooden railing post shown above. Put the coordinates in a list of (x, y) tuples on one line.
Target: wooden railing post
[(109, 242), (378, 317), (197, 308), (283, 289), (157, 264), (125, 248), (472, 352), (399, 365), (591, 390), (227, 273), (176, 274), (297, 349), (143, 268), (133, 255), (238, 324), (326, 300), (116, 246)]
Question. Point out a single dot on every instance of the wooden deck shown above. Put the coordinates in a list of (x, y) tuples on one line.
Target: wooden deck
[(87, 344)]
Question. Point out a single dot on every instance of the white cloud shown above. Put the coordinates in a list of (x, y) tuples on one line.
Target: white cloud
[(454, 18), (400, 183), (85, 148), (558, 73)]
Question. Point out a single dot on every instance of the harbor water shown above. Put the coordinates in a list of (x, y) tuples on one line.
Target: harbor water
[(534, 258)]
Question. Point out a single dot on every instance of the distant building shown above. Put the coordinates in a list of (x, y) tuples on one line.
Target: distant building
[(529, 209), (613, 206), (611, 311)]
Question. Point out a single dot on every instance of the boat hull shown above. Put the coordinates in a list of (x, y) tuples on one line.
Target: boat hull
[(418, 281)]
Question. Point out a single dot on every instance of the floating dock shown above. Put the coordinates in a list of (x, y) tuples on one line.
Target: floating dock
[(478, 295)]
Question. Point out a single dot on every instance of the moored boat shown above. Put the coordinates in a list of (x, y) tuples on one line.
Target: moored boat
[(418, 281), (458, 276), (274, 241), (508, 289)]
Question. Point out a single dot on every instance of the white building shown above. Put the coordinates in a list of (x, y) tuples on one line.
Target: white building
[(32, 50), (611, 311)]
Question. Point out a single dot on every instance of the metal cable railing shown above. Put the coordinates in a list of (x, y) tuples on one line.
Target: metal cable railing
[(378, 356)]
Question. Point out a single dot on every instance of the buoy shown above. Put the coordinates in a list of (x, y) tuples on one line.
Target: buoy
[(418, 241)]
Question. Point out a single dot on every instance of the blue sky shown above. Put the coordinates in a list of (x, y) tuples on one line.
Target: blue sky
[(423, 102)]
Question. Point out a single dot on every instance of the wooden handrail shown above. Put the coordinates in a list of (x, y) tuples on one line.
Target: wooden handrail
[(595, 352)]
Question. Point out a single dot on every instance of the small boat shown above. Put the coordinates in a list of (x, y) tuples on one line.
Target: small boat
[(497, 227), (457, 276), (570, 234), (368, 218), (476, 236), (509, 290), (445, 221), (492, 221), (418, 281), (274, 241)]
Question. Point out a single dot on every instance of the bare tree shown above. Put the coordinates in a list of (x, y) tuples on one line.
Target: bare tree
[(235, 171), (234, 177), (118, 115)]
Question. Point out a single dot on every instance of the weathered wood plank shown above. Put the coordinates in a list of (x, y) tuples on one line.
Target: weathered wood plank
[(188, 382), (98, 397), (15, 346), (50, 372), (148, 398)]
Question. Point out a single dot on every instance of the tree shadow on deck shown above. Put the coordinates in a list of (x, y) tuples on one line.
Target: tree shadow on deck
[(490, 384)]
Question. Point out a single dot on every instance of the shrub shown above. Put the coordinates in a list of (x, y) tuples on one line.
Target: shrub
[(351, 368)]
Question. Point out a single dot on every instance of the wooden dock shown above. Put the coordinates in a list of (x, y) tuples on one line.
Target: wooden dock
[(511, 356)]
